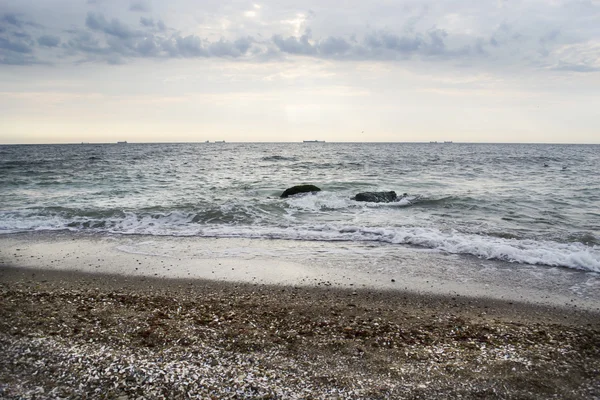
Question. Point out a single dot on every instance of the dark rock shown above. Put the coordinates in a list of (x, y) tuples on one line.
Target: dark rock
[(377, 197), (299, 189)]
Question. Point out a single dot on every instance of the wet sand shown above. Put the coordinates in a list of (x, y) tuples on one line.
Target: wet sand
[(67, 333), (302, 263)]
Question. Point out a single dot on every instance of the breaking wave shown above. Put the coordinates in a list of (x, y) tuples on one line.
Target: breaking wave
[(573, 255)]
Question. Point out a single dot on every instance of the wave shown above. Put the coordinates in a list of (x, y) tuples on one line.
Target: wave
[(328, 201), (279, 158), (575, 255)]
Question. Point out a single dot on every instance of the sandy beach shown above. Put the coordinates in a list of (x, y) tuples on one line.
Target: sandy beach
[(81, 334)]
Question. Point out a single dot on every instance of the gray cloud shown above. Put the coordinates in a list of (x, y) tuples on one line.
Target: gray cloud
[(380, 45), (18, 59), (147, 22), (225, 48), (334, 46), (49, 41), (84, 42), (188, 46), (139, 6), (295, 45), (115, 27), (118, 40), (11, 19), (15, 46)]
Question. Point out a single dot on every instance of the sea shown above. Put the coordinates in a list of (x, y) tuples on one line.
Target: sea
[(534, 204)]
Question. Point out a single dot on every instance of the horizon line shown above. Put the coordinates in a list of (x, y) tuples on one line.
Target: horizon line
[(290, 142)]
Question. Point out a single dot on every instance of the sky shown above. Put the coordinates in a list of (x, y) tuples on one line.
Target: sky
[(351, 71)]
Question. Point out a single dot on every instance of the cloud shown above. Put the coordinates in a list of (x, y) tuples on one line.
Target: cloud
[(11, 19), (139, 6), (385, 41), (115, 27), (443, 38), (188, 46), (147, 22), (295, 45), (576, 68), (379, 45), (334, 46), (48, 41), (225, 48), (15, 46)]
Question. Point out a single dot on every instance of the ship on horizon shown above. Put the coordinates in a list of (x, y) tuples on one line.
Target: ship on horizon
[(122, 142), (314, 141)]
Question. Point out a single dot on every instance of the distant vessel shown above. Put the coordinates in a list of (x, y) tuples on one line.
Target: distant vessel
[(314, 141), (432, 142), (219, 141), (448, 141), (123, 142)]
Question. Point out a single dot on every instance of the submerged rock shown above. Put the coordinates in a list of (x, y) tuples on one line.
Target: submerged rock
[(299, 189), (377, 197)]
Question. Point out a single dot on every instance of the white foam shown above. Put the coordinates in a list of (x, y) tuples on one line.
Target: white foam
[(333, 201), (571, 255), (320, 201)]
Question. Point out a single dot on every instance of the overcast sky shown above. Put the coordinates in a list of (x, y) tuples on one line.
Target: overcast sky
[(196, 70)]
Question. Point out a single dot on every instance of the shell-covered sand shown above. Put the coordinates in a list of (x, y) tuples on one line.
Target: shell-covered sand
[(68, 335)]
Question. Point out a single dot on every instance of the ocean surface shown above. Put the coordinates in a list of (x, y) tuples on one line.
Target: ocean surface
[(523, 203)]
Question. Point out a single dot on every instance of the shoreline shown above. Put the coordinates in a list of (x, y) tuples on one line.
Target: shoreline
[(73, 333), (303, 263)]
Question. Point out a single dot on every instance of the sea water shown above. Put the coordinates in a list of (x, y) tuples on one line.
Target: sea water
[(527, 204)]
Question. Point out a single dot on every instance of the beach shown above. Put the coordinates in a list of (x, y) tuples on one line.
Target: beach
[(71, 328)]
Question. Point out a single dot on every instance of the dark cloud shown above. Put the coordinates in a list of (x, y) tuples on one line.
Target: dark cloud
[(188, 46), (22, 35), (225, 48), (114, 41), (48, 41), (295, 45), (147, 22), (147, 47), (115, 27), (375, 45), (139, 6), (386, 41), (334, 46), (17, 46), (84, 42), (11, 19)]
